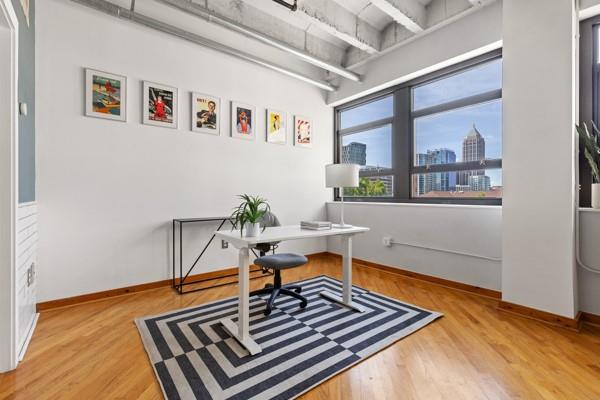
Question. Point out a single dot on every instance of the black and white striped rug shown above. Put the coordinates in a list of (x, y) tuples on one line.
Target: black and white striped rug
[(194, 358)]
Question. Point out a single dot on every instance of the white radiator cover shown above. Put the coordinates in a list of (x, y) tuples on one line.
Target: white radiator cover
[(27, 239)]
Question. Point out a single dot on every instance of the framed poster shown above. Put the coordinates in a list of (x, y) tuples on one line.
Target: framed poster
[(276, 127), (105, 95), (243, 120), (302, 131), (160, 105), (206, 111)]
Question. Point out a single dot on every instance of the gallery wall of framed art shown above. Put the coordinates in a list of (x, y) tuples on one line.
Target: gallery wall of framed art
[(106, 97)]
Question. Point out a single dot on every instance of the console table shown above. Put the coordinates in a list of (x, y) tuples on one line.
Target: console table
[(179, 283)]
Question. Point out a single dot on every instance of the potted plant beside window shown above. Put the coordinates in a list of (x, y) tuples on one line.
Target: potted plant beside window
[(248, 213), (591, 148)]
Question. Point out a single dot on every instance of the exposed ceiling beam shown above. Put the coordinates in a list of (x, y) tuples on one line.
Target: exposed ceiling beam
[(127, 14), (200, 11), (409, 13), (341, 23)]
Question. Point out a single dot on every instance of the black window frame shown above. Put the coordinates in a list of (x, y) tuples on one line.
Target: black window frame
[(589, 96), (402, 139)]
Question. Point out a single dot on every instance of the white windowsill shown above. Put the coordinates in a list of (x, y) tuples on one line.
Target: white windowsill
[(587, 209), (383, 204)]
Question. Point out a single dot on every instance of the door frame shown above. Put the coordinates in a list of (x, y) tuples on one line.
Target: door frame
[(9, 120)]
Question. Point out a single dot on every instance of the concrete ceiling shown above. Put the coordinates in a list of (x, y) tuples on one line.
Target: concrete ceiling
[(334, 35)]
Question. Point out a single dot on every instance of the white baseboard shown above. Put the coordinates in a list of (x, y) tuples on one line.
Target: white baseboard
[(29, 335)]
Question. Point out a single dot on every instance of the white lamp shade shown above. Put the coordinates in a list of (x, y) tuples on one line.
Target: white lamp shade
[(341, 175)]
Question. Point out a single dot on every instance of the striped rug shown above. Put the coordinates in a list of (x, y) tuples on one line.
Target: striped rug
[(194, 358)]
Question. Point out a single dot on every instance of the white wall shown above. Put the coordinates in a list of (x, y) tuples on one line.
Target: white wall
[(468, 229), (538, 268), (460, 230), (108, 190)]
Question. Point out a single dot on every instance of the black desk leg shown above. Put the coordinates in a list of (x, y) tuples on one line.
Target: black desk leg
[(173, 251), (180, 257)]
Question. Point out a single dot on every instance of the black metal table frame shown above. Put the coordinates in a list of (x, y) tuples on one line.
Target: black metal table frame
[(179, 285)]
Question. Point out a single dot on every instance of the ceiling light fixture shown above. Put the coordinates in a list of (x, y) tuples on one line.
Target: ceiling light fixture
[(292, 7)]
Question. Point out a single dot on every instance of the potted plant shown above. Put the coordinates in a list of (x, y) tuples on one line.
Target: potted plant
[(248, 214), (591, 148)]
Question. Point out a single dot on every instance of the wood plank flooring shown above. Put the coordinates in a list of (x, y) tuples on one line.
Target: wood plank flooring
[(93, 350)]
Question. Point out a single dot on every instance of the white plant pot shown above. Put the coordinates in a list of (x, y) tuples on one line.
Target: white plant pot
[(252, 230), (595, 195)]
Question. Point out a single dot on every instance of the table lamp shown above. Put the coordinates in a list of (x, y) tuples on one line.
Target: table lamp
[(341, 176)]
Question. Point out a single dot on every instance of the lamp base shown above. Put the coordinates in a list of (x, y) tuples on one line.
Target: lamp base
[(341, 226)]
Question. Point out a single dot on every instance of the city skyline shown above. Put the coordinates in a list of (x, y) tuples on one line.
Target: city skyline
[(440, 130), (373, 153)]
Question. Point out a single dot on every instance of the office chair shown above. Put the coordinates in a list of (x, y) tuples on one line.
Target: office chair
[(277, 262)]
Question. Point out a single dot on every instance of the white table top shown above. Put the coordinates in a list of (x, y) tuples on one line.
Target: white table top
[(286, 232)]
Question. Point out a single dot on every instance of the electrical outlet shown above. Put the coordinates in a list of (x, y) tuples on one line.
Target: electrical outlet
[(30, 275), (387, 241), (224, 244)]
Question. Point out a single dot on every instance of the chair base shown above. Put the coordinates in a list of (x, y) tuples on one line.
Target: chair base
[(276, 289)]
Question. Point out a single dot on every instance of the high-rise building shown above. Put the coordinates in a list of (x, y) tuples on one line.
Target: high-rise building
[(354, 153), (473, 149), (419, 179), (479, 183), (440, 181)]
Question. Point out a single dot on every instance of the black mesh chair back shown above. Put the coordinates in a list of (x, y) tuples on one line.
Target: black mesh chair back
[(268, 220)]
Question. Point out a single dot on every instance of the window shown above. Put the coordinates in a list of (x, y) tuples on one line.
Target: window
[(589, 92), (365, 139), (437, 139)]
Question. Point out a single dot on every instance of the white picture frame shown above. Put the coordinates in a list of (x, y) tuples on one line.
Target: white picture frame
[(166, 115), (202, 119), (105, 95), (243, 130), (303, 131), (276, 126)]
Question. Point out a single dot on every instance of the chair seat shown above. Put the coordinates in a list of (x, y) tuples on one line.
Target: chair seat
[(281, 261)]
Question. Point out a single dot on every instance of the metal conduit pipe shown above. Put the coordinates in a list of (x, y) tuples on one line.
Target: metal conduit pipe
[(460, 253), (123, 13)]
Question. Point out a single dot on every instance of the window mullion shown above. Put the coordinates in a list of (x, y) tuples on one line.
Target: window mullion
[(401, 144)]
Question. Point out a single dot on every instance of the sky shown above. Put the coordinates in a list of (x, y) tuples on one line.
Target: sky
[(443, 130)]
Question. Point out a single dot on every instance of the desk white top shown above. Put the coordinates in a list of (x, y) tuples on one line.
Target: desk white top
[(281, 233)]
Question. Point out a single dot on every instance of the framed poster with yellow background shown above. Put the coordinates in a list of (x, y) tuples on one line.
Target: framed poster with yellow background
[(276, 127)]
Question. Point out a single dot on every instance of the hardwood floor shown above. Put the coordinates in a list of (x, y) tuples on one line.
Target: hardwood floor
[(93, 350)]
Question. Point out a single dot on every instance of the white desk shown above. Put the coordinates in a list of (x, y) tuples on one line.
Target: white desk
[(241, 331)]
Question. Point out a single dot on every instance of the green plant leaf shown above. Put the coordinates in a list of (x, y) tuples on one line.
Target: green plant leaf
[(589, 141)]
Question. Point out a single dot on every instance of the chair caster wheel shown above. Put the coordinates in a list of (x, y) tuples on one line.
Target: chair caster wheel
[(303, 304), (267, 311), (298, 290)]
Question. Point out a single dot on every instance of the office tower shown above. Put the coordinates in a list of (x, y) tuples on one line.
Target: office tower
[(440, 181), (473, 149), (419, 179), (354, 153), (479, 183)]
